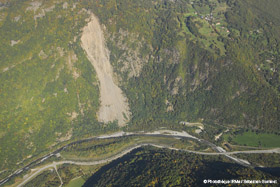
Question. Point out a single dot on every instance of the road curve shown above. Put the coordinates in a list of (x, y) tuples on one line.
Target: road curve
[(55, 164), (159, 133), (106, 136), (126, 151)]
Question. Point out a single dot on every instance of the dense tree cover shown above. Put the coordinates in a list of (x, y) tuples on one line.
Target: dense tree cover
[(258, 26), (46, 81), (47, 178), (269, 160), (214, 53), (150, 167), (211, 61)]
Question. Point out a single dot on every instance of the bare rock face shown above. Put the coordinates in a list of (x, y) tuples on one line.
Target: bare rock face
[(114, 104)]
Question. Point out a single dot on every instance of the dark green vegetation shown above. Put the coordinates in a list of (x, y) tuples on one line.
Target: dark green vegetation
[(153, 167), (212, 61), (268, 160), (219, 66), (47, 178), (102, 149), (72, 175), (47, 87)]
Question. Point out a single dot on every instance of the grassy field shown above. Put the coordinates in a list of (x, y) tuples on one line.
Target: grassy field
[(208, 36), (254, 139), (78, 182)]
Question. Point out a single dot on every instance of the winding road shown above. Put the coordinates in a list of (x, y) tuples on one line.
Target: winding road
[(160, 133)]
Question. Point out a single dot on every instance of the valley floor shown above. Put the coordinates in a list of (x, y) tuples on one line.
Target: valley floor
[(38, 168)]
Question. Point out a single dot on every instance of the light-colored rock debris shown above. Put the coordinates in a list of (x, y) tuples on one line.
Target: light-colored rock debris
[(114, 104), (34, 5), (13, 42)]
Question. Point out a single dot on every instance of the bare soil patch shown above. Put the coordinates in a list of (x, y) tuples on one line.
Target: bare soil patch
[(114, 104)]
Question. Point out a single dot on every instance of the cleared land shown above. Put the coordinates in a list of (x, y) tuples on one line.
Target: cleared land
[(254, 139), (78, 182)]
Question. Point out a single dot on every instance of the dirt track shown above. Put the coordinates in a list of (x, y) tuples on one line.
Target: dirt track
[(113, 103)]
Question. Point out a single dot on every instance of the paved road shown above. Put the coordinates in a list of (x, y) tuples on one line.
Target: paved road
[(107, 136), (55, 164), (160, 133), (227, 154)]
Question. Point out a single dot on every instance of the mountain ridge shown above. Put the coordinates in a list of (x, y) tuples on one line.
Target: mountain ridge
[(214, 62)]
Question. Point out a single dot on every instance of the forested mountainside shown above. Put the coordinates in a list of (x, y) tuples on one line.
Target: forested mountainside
[(149, 167), (210, 61)]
